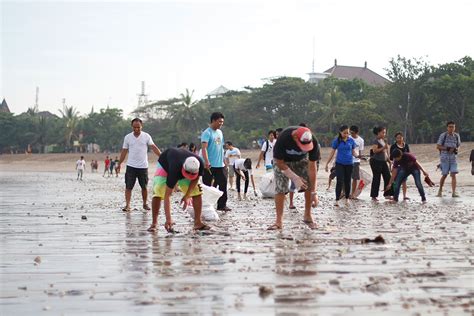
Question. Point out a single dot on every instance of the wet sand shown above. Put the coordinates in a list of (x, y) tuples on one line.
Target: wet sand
[(106, 263)]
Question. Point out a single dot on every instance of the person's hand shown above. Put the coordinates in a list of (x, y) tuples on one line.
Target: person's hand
[(327, 168), (207, 165), (255, 193), (257, 166), (389, 186), (185, 201), (425, 173), (300, 183), (243, 178)]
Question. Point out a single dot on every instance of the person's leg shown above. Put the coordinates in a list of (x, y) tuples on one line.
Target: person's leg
[(347, 180), (386, 179), (339, 180), (308, 217), (247, 181), (155, 206), (453, 184), (444, 174), (130, 179), (143, 181), (401, 177), (281, 187), (207, 177), (419, 185), (376, 173), (231, 173), (221, 181), (454, 171), (237, 184), (292, 195), (355, 177), (197, 205), (279, 203)]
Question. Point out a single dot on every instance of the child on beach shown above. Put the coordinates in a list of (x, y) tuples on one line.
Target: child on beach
[(243, 170), (405, 164)]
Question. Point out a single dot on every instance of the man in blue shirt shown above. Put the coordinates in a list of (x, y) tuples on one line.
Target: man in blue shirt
[(212, 141)]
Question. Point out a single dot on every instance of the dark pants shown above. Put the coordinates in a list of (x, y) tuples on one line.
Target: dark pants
[(219, 180), (343, 176), (379, 168), (237, 180), (402, 176)]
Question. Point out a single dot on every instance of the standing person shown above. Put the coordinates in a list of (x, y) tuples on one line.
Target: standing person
[(293, 148), (117, 169), (448, 145), (400, 144), (112, 166), (181, 167), (212, 141), (405, 164), (231, 155), (471, 159), (345, 148), (359, 141), (106, 166), (80, 167), (136, 145), (92, 166), (243, 169), (379, 163), (266, 154)]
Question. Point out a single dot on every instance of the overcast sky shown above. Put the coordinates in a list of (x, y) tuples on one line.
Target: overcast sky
[(95, 53)]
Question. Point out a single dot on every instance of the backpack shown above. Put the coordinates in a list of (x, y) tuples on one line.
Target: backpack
[(266, 150)]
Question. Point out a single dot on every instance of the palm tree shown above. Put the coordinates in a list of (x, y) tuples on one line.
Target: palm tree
[(70, 118), (333, 100)]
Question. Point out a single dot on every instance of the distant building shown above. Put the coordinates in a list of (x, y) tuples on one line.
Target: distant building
[(219, 91), (352, 72), (47, 114), (4, 107)]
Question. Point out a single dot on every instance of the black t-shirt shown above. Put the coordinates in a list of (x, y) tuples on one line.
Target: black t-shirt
[(287, 149), (172, 161), (405, 149)]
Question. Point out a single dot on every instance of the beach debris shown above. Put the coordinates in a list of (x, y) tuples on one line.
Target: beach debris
[(334, 282), (265, 291), (377, 240), (37, 260), (377, 288), (83, 217), (23, 288)]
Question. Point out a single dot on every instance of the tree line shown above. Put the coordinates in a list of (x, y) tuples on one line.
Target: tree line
[(419, 99)]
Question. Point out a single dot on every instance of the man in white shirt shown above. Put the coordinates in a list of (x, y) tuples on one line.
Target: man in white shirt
[(231, 155), (136, 145), (266, 154), (80, 167), (359, 141)]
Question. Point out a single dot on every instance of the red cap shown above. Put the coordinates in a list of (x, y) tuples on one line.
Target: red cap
[(304, 138)]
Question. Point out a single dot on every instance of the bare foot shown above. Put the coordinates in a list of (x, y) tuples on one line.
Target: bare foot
[(274, 227), (152, 228)]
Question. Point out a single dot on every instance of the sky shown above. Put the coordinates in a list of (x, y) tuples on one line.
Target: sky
[(97, 53)]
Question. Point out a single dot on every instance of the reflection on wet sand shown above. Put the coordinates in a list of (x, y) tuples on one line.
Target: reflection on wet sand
[(109, 263)]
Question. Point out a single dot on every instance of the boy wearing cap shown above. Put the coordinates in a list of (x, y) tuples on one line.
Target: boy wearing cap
[(181, 167), (295, 154)]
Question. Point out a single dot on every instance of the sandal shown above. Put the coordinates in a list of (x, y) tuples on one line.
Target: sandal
[(311, 224), (152, 229), (146, 207), (274, 227), (203, 227), (126, 209), (292, 207)]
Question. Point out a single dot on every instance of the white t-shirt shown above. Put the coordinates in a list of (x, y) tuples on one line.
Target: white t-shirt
[(137, 149), (268, 153), (80, 164), (239, 165), (359, 141), (232, 155)]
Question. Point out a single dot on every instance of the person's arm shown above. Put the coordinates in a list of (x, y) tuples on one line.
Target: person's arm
[(253, 184), (123, 154), (421, 168), (392, 179), (260, 158), (169, 223), (205, 157), (155, 149), (299, 182), (331, 155), (312, 170)]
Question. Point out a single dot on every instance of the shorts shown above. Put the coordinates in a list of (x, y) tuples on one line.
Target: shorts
[(298, 167), (131, 175), (449, 167), (231, 172), (159, 187), (356, 171)]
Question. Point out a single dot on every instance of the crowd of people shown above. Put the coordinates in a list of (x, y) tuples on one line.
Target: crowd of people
[(292, 154)]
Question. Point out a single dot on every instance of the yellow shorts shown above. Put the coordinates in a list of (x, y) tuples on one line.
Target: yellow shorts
[(159, 187)]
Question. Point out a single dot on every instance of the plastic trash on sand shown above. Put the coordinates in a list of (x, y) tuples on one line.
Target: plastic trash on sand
[(210, 195), (267, 185), (365, 180)]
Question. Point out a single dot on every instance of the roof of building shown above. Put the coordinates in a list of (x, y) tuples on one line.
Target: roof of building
[(362, 73), (4, 106), (218, 91)]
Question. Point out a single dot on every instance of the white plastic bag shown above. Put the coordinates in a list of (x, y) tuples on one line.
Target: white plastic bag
[(267, 185), (210, 195), (365, 180)]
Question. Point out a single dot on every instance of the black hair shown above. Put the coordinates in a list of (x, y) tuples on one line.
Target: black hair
[(229, 143), (378, 129), (342, 128), (397, 134), (279, 130), (182, 145), (248, 163), (273, 133), (355, 129), (397, 153), (303, 124), (216, 115), (136, 120), (82, 157), (192, 146), (450, 122)]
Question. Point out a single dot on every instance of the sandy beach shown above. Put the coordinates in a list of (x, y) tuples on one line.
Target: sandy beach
[(67, 249)]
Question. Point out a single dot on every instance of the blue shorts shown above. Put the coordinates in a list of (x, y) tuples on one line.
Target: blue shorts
[(449, 167)]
